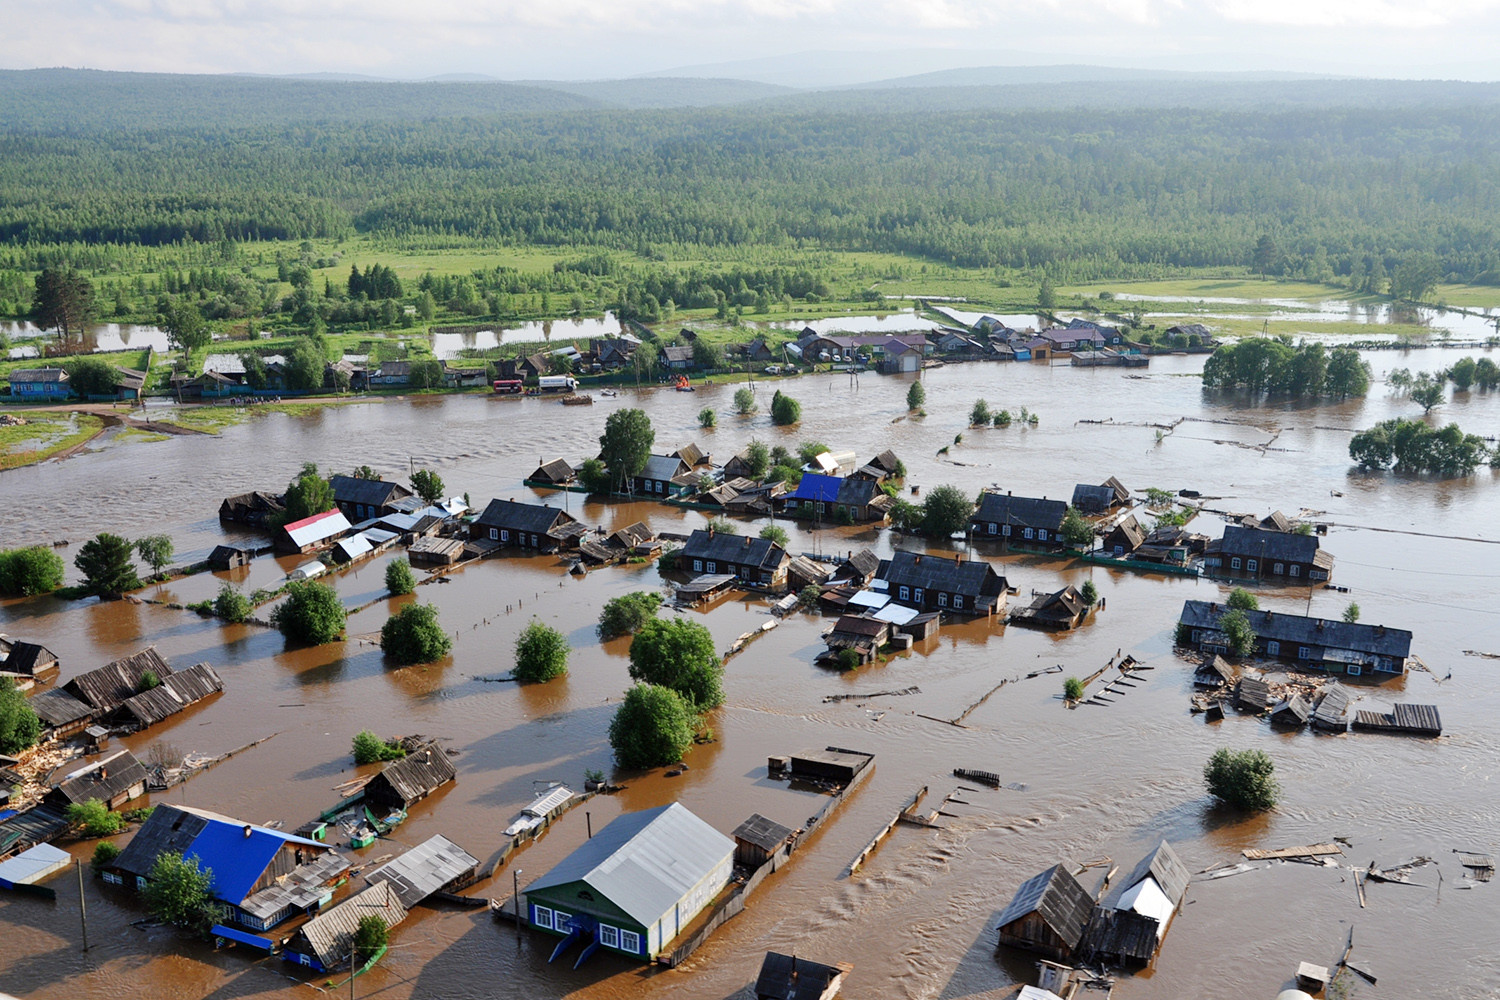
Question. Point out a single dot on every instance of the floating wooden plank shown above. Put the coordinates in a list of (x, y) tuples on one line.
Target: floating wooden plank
[(1311, 851), (982, 777), (1239, 869)]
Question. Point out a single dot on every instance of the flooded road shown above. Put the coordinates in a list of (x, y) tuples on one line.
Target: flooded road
[(918, 919)]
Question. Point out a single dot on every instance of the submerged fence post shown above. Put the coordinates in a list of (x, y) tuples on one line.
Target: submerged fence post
[(83, 910)]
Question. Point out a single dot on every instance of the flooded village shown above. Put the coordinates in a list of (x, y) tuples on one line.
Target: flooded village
[(945, 767)]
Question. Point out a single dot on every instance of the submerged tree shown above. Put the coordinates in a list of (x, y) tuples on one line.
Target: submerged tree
[(1244, 779), (541, 653), (106, 564), (653, 727)]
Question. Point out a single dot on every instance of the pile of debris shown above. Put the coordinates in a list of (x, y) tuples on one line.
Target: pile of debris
[(11, 420), (35, 767)]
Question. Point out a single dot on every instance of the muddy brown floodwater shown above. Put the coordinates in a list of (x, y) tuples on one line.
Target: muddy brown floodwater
[(918, 920)]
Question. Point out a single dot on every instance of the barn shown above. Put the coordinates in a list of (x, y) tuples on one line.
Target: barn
[(1048, 914)]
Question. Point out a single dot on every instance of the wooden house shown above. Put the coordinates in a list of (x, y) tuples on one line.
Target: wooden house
[(1350, 648), (62, 715), (405, 782), (104, 690), (1048, 914), (26, 663), (880, 468), (114, 781), (39, 384), (432, 866), (225, 557), (814, 496), (738, 467), (691, 455), (804, 571), (1100, 499), (1293, 713), (862, 634), (312, 533), (678, 357), (1412, 720), (436, 551), (392, 373), (860, 568), (527, 526), (365, 499), (262, 876), (1213, 672), (1172, 546), (656, 478), (177, 691), (757, 839), (1262, 553), (635, 885), (757, 561), (1128, 930), (1252, 694), (1332, 711), (326, 942), (1065, 609), (554, 473), (861, 500), (933, 583), (830, 764), (787, 977), (1125, 538), (1008, 518), (252, 508)]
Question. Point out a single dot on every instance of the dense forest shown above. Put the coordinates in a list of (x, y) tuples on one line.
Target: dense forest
[(1081, 193)]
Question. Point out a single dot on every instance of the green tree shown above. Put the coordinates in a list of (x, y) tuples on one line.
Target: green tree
[(184, 325), (1266, 255), (653, 727), (1089, 593), (1076, 530), (399, 579), (106, 564), (19, 725), (809, 595), (370, 936), (744, 401), (105, 853), (624, 615), (94, 819), (1156, 498), (1427, 392), (758, 457), (308, 494), (256, 374), (1046, 294), (707, 418), (625, 445), (1412, 446), (30, 571), (371, 749), (915, 396), (776, 533), (311, 614), (785, 411), (1348, 374), (92, 377), (156, 550), (426, 306), (231, 605), (64, 300), (1415, 276), (593, 476), (428, 485), (305, 366), (180, 893), (679, 654), (426, 374), (1462, 374), (541, 653), (1073, 689), (1351, 613), (366, 473), (723, 526), (1243, 600), (1239, 635), (1243, 779), (946, 511), (979, 416), (906, 516), (413, 635), (1486, 373)]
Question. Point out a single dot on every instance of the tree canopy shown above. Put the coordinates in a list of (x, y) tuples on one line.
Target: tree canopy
[(1243, 779), (312, 614), (106, 564), (30, 571), (1263, 364), (64, 301), (679, 654), (399, 578), (428, 485), (308, 494), (946, 511), (179, 892), (541, 653), (624, 615), (19, 725), (785, 410), (625, 445), (653, 727), (413, 635), (157, 550), (1413, 446)]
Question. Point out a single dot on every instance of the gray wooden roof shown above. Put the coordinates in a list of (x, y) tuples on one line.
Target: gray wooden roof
[(764, 833), (59, 708), (27, 658), (1265, 544), (741, 549), (329, 936), (787, 977), (1299, 630), (1166, 867), (555, 471), (306, 884), (176, 692), (414, 775), (113, 684), (1056, 895), (533, 518), (973, 577), (425, 869), (104, 780), (1027, 512), (372, 492)]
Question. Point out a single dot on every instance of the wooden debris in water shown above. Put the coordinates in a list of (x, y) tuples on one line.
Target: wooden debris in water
[(835, 698), (1311, 851), (982, 777)]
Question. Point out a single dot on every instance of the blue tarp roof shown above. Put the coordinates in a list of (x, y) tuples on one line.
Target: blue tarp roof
[(815, 486), (230, 934), (239, 861)]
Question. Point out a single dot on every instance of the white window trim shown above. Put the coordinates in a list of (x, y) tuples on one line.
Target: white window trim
[(697, 565), (609, 936), (958, 601), (1273, 648), (1235, 563), (1028, 533), (542, 916), (1303, 653), (1296, 570), (630, 941), (1251, 565), (560, 920), (917, 595), (906, 593), (495, 535), (942, 599), (1353, 669), (1005, 530), (1278, 569)]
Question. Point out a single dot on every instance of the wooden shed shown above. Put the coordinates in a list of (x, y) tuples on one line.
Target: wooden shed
[(326, 942), (756, 839), (26, 661), (1048, 914), (62, 714), (787, 977), (115, 780), (175, 692), (1252, 695), (405, 782), (1293, 712), (228, 557), (104, 690), (1212, 672)]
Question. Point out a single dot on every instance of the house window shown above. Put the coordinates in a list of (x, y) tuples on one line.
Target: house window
[(906, 593), (1353, 669), (1386, 665), (992, 527), (1296, 570), (1119, 550), (609, 936), (958, 601), (1251, 565), (140, 883), (1005, 531), (697, 565), (495, 535), (1197, 635), (918, 595), (1273, 648), (1279, 569), (1235, 563), (713, 567), (541, 916), (1303, 653), (1029, 533), (113, 878), (560, 920), (1041, 534), (942, 600), (630, 941)]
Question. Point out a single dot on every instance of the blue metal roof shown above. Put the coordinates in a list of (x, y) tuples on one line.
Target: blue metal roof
[(230, 934), (238, 860), (815, 486)]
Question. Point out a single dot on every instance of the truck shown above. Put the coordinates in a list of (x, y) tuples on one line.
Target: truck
[(557, 383)]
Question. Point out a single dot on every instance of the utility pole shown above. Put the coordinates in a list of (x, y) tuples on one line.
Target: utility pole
[(352, 951), (83, 909), (589, 819)]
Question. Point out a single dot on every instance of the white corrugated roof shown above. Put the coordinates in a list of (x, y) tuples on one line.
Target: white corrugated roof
[(1147, 899), (311, 530), (379, 536), (355, 546), (870, 599), (550, 801), (34, 865), (896, 614)]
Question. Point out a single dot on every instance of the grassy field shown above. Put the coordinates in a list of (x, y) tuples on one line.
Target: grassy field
[(212, 418), (44, 435)]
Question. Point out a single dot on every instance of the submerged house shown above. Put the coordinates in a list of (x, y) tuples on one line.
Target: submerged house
[(263, 876), (758, 561), (1048, 914), (176, 692), (1125, 538), (114, 781), (326, 942), (814, 496), (62, 714), (1060, 611), (1100, 499), (1009, 518), (527, 526), (1265, 552), (787, 977), (1351, 648), (935, 583), (1129, 931), (106, 689), (312, 533), (405, 782), (252, 508), (26, 663), (432, 866), (658, 475), (554, 473), (363, 499), (634, 886)]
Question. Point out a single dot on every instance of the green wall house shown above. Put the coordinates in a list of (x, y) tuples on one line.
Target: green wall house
[(634, 886)]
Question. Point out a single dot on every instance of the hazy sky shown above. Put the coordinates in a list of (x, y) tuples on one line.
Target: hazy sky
[(590, 39)]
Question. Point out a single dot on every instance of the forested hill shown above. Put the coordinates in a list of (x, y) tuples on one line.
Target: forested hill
[(1089, 192)]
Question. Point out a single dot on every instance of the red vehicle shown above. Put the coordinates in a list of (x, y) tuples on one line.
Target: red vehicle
[(508, 386)]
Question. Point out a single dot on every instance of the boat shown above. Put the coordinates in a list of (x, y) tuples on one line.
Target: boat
[(683, 385), (610, 393)]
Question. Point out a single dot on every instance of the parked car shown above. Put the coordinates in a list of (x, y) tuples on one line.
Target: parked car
[(773, 369)]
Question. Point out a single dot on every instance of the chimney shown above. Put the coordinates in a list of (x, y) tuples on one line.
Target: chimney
[(1010, 493), (958, 558), (917, 561), (103, 773), (248, 830), (747, 541)]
